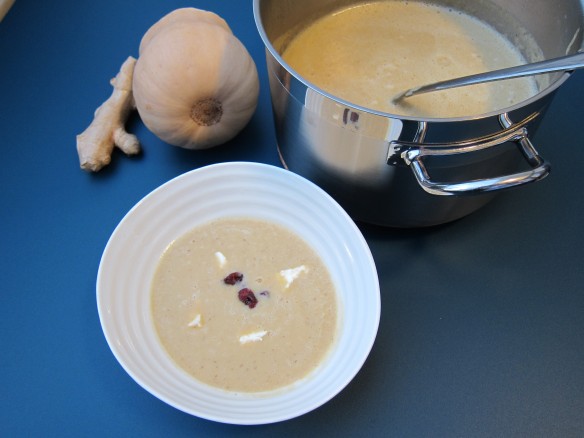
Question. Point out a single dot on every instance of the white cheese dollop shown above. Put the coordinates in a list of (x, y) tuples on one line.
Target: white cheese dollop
[(292, 274), (221, 259), (197, 321), (253, 337)]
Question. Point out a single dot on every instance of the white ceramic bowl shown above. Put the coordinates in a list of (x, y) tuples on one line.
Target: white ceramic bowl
[(235, 189)]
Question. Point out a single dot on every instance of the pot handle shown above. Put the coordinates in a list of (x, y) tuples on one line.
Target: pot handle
[(413, 154)]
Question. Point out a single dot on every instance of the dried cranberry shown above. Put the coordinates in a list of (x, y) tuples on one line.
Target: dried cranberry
[(247, 297), (345, 115), (234, 277)]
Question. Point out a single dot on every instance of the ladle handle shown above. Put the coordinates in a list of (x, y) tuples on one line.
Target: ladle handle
[(564, 63), (413, 155)]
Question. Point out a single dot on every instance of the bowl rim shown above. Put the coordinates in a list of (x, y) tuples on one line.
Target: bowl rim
[(115, 249)]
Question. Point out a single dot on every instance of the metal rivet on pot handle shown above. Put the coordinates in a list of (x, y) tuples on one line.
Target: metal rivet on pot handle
[(413, 154)]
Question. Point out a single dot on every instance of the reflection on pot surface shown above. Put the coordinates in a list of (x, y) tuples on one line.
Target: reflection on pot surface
[(388, 165)]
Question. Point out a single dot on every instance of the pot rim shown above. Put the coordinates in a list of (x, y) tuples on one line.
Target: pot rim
[(267, 43)]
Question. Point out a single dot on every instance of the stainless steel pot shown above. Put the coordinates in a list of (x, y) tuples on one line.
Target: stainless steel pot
[(407, 172)]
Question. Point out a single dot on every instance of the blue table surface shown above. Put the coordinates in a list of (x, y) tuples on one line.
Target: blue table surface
[(482, 325)]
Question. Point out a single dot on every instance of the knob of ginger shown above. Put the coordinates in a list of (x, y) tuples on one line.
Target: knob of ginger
[(95, 145)]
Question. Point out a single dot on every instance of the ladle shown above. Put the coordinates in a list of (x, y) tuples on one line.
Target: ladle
[(563, 63)]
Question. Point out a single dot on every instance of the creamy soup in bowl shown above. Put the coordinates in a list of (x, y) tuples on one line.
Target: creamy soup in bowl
[(319, 290), (244, 305)]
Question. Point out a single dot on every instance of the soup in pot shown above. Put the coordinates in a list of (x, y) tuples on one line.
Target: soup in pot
[(369, 53)]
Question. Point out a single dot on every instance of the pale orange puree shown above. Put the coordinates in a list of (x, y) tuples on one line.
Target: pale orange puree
[(218, 338), (368, 54)]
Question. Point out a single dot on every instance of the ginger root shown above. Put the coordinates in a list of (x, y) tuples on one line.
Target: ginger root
[(95, 145), (5, 5)]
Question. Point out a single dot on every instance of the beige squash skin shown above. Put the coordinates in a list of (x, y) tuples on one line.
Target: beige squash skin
[(182, 17), (185, 62)]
